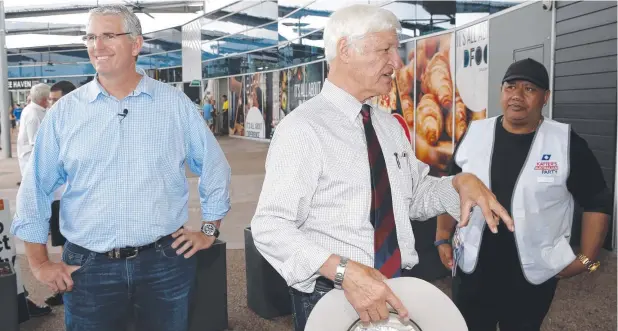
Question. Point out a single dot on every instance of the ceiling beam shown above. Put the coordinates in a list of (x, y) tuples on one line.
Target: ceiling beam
[(65, 31), (160, 7), (243, 19)]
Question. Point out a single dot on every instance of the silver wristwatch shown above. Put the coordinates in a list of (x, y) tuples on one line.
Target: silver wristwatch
[(340, 272)]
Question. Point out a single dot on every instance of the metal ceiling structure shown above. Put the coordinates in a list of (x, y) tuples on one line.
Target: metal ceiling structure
[(146, 7), (231, 29)]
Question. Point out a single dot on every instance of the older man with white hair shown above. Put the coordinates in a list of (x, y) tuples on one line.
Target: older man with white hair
[(342, 181), (31, 118)]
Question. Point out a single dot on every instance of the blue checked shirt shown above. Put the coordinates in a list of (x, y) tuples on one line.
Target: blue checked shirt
[(125, 182)]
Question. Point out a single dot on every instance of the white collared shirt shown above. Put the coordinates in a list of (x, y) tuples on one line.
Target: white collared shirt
[(29, 123), (316, 196)]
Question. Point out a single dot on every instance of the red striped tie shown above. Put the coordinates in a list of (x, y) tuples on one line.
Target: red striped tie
[(387, 254)]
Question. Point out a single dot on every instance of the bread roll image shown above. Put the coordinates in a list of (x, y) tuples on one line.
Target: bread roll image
[(461, 120), (431, 46), (429, 122), (407, 110), (393, 97), (436, 80), (436, 156), (421, 57), (445, 43), (405, 79)]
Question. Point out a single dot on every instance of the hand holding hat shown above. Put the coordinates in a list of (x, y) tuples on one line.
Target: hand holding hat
[(429, 309), (366, 291)]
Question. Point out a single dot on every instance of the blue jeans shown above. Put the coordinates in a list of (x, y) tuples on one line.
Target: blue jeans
[(303, 303), (152, 289)]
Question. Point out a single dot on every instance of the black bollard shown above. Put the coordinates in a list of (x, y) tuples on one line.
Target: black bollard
[(8, 299), (208, 308), (267, 293)]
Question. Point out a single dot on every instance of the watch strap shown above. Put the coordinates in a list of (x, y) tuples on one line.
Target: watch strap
[(441, 242), (340, 273), (588, 263)]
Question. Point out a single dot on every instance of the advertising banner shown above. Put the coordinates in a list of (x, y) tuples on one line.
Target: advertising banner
[(304, 82), (237, 105), (277, 112), (255, 100), (283, 90), (271, 102), (7, 243), (435, 102), (472, 76)]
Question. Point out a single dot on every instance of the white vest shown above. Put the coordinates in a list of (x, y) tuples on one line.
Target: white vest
[(541, 206)]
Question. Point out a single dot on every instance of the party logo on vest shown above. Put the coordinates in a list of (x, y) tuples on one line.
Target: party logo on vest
[(545, 166)]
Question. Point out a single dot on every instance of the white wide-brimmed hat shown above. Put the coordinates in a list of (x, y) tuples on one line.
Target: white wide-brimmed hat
[(429, 309)]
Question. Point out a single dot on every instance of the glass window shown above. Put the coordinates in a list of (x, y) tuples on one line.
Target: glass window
[(232, 65), (253, 39), (161, 41), (470, 11), (241, 18)]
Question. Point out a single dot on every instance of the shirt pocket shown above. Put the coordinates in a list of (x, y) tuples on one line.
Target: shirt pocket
[(406, 181)]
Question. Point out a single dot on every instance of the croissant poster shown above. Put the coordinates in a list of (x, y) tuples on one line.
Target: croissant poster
[(400, 101), (435, 102), (472, 76)]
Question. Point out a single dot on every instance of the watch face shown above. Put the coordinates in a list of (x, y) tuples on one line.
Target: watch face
[(208, 229)]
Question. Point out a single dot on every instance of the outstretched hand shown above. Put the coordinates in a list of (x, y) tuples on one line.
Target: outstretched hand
[(472, 192)]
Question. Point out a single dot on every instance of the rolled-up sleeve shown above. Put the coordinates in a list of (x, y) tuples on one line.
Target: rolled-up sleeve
[(432, 196), (293, 168), (206, 158), (44, 174)]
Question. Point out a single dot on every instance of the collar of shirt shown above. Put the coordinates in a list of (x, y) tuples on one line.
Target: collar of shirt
[(338, 96), (36, 107), (144, 86)]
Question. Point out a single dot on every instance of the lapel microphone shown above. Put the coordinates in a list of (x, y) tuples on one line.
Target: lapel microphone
[(123, 114)]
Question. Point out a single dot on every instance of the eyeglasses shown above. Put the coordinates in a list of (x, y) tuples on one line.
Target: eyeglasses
[(90, 39)]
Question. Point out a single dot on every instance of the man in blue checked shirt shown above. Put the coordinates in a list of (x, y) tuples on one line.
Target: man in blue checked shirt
[(120, 144)]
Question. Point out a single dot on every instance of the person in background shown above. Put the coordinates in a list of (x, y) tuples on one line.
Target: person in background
[(128, 255), (342, 181), (537, 168), (17, 109), (13, 120), (57, 91), (225, 106), (31, 118), (208, 114), (30, 121)]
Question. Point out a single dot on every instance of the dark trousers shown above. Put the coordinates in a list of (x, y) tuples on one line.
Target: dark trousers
[(303, 303), (487, 300), (152, 289), (226, 123)]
